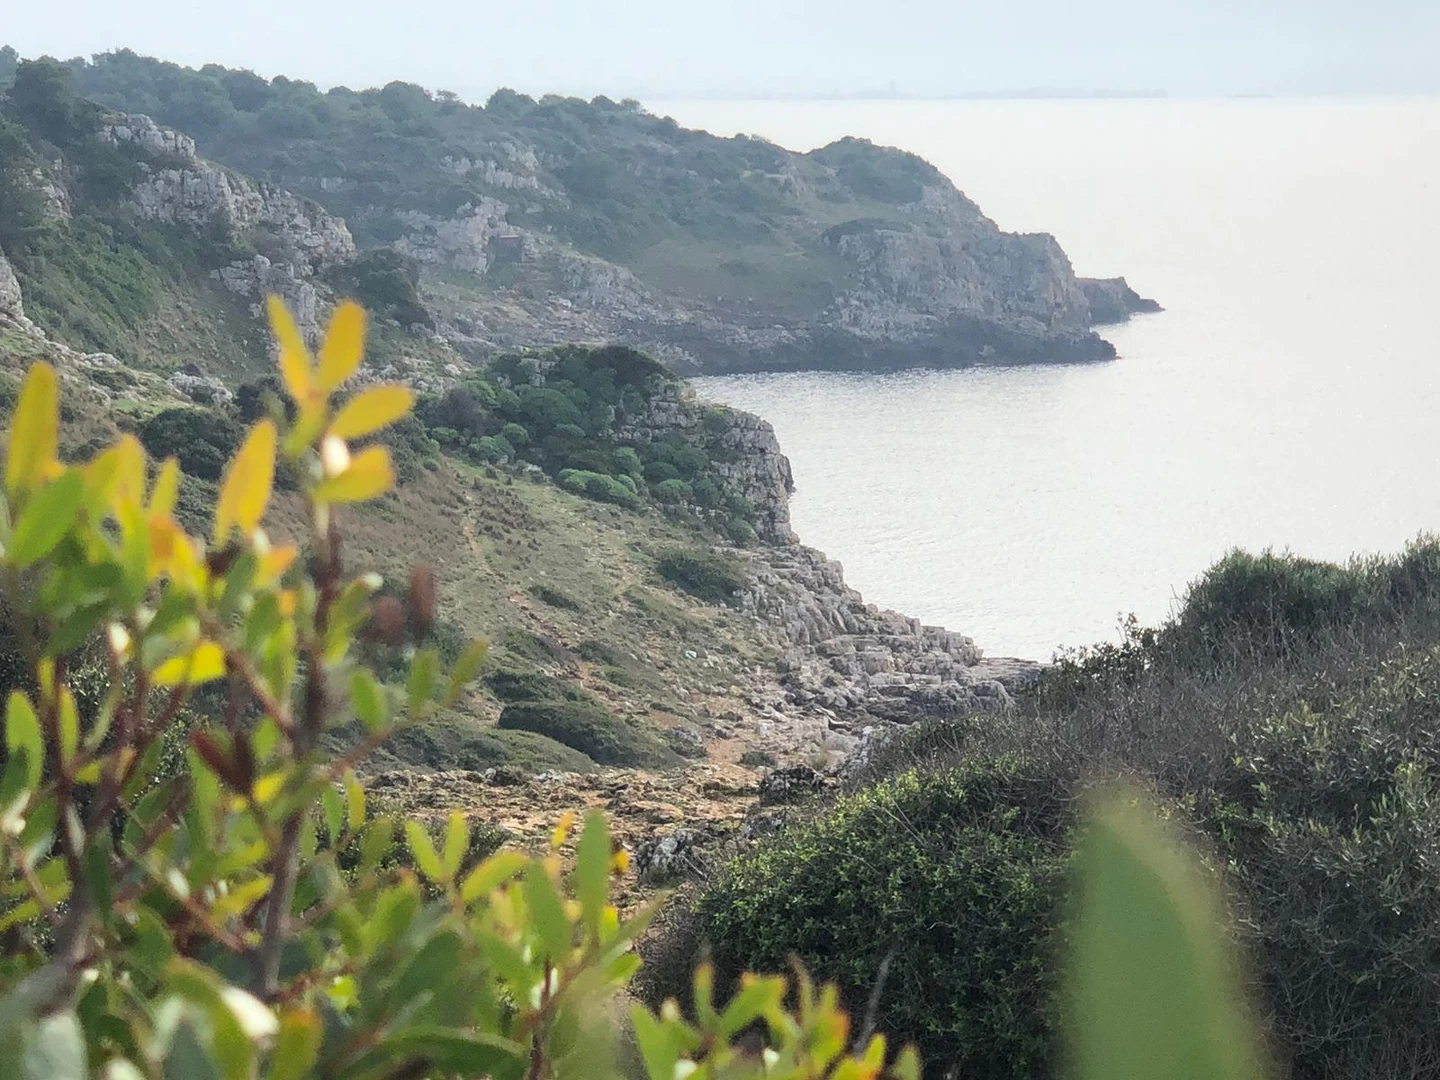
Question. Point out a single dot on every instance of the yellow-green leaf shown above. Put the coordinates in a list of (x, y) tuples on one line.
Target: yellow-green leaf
[(245, 490), (34, 430), (240, 898), (491, 874), (354, 801), (1152, 986), (457, 840), (370, 410), (294, 356), (205, 663), (426, 857), (22, 732), (547, 913), (46, 519), (69, 724), (465, 670), (297, 1046), (370, 474), (167, 488), (592, 869), (344, 345)]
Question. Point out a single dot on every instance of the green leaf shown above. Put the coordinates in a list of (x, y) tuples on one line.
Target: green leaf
[(69, 717), (424, 674), (354, 801), (22, 735), (547, 912), (760, 998), (592, 869), (98, 871), (34, 430), (375, 842), (427, 859), (1152, 987), (55, 1050), (491, 874), (333, 808), (659, 1044), (297, 1046), (369, 701), (465, 670), (469, 1053), (46, 519), (457, 841)]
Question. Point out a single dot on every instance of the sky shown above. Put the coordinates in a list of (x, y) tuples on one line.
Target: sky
[(654, 49)]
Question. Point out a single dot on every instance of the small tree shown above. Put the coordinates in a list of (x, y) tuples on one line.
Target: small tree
[(236, 918)]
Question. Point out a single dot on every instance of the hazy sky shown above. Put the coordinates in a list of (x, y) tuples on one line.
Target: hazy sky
[(650, 48)]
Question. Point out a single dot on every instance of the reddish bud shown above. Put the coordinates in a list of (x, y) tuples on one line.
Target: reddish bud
[(422, 600), (387, 621)]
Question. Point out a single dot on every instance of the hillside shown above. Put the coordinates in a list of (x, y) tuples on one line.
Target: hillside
[(529, 222), (625, 547)]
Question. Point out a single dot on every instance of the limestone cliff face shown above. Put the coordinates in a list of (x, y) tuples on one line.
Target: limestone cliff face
[(1112, 300), (743, 448), (179, 187), (12, 305)]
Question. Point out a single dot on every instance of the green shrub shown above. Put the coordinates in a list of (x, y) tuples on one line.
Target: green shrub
[(740, 531), (1268, 600), (658, 472), (709, 575), (627, 462), (556, 598), (202, 439), (600, 487), (536, 648), (673, 492), (511, 686), (386, 282), (591, 729), (948, 883), (515, 434), (1326, 820), (603, 652)]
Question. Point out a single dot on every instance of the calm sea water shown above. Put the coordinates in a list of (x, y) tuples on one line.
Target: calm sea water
[(1288, 396)]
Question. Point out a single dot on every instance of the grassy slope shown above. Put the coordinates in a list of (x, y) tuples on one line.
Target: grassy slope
[(493, 543)]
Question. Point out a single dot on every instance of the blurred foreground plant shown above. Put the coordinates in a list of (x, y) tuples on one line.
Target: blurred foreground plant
[(237, 920)]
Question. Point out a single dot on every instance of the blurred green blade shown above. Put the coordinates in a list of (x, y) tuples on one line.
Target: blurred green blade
[(1154, 992)]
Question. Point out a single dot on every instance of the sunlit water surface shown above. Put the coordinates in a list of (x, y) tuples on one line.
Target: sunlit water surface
[(1288, 395)]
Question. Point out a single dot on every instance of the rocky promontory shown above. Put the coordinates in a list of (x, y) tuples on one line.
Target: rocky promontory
[(532, 222)]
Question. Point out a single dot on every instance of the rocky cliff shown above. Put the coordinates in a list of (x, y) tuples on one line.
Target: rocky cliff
[(178, 187), (539, 222)]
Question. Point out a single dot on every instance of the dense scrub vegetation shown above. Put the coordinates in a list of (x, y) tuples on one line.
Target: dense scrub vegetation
[(687, 211), (1288, 713), (578, 414)]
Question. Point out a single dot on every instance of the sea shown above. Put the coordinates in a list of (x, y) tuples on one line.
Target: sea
[(1287, 397)]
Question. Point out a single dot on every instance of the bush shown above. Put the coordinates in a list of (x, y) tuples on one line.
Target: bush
[(591, 729), (658, 472), (711, 576), (202, 439), (556, 598), (740, 531), (950, 883), (511, 686), (673, 492), (1267, 601), (600, 487), (515, 434)]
